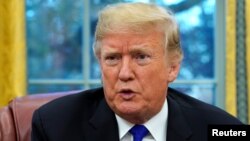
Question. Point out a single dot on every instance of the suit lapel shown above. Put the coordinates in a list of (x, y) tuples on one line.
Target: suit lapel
[(103, 125), (178, 129)]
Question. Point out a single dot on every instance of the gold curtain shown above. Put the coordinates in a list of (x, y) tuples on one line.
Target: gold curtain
[(248, 53), (238, 59), (12, 50), (231, 57)]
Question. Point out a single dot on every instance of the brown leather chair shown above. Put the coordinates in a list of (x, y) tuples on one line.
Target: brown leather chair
[(15, 118)]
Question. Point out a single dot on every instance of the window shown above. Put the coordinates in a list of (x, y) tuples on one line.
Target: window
[(60, 36)]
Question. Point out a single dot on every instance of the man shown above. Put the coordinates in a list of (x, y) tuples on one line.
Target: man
[(138, 49)]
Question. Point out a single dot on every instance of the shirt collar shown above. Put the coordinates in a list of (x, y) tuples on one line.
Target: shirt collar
[(157, 125)]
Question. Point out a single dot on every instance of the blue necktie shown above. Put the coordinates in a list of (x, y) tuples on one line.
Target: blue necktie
[(138, 132)]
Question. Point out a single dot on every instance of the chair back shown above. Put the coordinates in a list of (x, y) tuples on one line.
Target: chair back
[(16, 117)]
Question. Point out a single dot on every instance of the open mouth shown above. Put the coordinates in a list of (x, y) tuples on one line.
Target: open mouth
[(126, 91), (127, 94)]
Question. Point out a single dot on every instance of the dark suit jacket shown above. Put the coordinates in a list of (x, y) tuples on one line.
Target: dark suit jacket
[(87, 117)]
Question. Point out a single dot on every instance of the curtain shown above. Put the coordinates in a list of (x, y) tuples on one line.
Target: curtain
[(237, 59), (248, 53), (230, 58), (12, 50)]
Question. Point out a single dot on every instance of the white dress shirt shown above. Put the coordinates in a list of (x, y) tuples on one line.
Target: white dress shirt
[(157, 126)]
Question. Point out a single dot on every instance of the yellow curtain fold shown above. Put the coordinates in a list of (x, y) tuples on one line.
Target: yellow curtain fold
[(12, 50), (231, 103), (247, 6)]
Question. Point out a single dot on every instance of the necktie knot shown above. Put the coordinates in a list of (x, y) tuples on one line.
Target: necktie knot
[(138, 132)]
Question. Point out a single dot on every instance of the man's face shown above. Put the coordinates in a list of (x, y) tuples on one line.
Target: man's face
[(135, 74)]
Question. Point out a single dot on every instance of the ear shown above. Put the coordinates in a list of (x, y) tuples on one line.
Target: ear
[(173, 71)]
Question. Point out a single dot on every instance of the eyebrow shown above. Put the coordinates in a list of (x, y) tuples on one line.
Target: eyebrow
[(140, 48), (134, 50), (110, 50)]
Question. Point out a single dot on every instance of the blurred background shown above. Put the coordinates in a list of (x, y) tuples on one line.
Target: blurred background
[(46, 46)]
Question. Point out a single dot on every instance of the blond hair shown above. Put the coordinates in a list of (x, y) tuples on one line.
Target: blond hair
[(138, 18)]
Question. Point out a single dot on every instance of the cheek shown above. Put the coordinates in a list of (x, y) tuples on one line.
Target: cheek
[(154, 79), (108, 72), (157, 72), (108, 80), (109, 76)]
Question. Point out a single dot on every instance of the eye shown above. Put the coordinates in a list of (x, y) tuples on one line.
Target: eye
[(111, 57), (142, 58), (112, 60)]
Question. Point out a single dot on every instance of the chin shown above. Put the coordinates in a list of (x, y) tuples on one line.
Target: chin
[(129, 109), (134, 117)]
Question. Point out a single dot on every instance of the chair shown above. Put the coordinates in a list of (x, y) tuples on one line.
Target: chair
[(15, 118)]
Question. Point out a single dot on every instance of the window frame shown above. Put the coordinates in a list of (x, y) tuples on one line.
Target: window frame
[(219, 64)]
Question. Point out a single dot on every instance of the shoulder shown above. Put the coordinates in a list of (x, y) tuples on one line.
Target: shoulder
[(196, 110), (73, 103)]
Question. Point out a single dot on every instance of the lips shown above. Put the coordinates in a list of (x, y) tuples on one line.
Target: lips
[(126, 94)]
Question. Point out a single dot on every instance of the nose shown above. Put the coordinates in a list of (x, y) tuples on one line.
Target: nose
[(126, 71)]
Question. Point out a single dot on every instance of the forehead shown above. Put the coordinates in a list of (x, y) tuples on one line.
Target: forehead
[(130, 40)]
